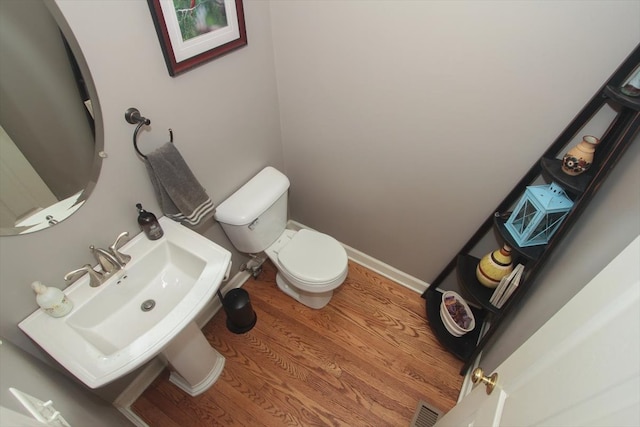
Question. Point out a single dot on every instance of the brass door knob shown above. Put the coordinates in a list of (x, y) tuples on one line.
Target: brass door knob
[(490, 382)]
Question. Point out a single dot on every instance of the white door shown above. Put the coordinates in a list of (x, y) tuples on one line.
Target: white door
[(21, 189), (582, 368)]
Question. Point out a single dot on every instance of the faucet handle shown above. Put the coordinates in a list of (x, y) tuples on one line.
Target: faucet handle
[(106, 261), (95, 278), (119, 256)]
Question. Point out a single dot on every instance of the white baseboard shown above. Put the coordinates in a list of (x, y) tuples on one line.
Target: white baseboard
[(155, 367), (146, 376), (387, 271), (376, 265), (132, 416)]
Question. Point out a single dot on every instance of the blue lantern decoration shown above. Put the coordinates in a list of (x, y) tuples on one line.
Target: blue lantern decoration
[(538, 214)]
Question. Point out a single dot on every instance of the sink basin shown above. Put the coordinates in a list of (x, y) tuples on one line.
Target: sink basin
[(114, 319), (120, 325)]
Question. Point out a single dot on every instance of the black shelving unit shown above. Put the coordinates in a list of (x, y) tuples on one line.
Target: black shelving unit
[(581, 189), (458, 346)]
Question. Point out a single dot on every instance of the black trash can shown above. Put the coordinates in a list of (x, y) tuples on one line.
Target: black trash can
[(240, 315)]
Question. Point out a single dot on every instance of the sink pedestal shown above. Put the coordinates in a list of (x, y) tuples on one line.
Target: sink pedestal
[(195, 364)]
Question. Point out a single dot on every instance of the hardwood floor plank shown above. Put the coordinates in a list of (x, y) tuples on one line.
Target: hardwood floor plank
[(295, 376), (340, 323), (157, 409), (221, 410), (366, 359), (336, 361), (147, 410), (325, 369)]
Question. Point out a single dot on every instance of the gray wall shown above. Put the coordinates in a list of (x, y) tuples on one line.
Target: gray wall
[(226, 124), (400, 124), (405, 123), (27, 374)]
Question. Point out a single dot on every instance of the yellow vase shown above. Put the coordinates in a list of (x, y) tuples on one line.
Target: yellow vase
[(494, 266)]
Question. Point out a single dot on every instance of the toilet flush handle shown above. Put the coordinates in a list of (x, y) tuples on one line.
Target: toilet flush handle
[(253, 225)]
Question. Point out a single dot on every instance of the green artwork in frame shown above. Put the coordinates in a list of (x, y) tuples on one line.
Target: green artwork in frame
[(192, 32)]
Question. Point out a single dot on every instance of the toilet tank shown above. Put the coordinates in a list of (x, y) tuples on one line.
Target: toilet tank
[(256, 214)]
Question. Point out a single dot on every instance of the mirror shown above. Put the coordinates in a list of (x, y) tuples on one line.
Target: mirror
[(50, 152)]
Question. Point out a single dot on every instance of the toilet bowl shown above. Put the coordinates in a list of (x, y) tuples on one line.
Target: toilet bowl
[(310, 266)]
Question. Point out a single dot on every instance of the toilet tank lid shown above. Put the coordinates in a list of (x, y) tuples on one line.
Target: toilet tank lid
[(253, 198)]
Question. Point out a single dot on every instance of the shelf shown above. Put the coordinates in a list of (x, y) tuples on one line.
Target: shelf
[(552, 171), (620, 134), (461, 347), (471, 288), (530, 253), (617, 96)]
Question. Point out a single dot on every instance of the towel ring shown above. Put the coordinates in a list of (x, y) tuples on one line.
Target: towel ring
[(132, 115)]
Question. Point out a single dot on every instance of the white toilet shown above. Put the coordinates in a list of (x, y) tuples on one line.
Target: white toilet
[(310, 264)]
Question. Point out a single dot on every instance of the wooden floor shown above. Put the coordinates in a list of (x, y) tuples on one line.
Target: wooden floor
[(366, 359)]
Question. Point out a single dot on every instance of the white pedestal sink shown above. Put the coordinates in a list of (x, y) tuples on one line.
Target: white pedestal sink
[(147, 309), (196, 365)]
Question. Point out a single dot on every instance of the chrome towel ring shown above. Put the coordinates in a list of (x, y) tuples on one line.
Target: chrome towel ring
[(132, 115)]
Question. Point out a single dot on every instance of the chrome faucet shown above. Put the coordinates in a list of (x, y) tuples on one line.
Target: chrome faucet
[(96, 278), (123, 259), (107, 262), (110, 260)]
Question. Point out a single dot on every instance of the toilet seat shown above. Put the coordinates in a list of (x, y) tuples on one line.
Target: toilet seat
[(313, 260)]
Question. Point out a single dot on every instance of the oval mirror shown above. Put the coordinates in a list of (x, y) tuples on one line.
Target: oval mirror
[(49, 151)]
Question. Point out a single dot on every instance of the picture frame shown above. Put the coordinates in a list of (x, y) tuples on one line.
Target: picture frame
[(192, 32)]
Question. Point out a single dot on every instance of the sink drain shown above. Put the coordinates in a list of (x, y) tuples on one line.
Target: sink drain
[(148, 305)]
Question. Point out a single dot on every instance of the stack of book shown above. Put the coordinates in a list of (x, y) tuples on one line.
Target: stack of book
[(507, 287)]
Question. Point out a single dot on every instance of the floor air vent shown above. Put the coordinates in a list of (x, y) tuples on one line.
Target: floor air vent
[(425, 416)]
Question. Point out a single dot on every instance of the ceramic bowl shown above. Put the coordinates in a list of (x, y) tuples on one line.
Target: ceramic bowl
[(461, 312)]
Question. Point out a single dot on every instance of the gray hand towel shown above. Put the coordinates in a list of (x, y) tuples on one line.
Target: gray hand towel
[(181, 196)]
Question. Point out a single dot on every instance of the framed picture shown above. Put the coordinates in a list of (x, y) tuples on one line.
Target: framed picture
[(192, 32)]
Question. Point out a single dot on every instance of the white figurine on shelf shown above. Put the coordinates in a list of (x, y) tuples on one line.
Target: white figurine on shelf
[(632, 86)]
